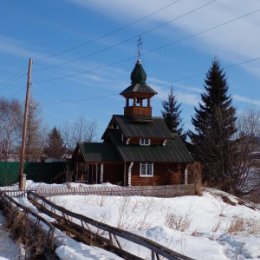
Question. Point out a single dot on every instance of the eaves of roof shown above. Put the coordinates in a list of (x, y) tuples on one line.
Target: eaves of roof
[(174, 151), (99, 152), (155, 128)]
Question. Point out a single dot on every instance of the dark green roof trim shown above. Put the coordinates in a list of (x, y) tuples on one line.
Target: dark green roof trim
[(139, 88), (99, 152), (174, 151)]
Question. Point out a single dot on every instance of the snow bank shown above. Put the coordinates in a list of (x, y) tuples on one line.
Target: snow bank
[(202, 227), (8, 248)]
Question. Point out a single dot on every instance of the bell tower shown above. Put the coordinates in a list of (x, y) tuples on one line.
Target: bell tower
[(138, 96)]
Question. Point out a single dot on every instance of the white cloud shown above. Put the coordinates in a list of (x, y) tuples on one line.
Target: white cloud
[(235, 42), (182, 97), (17, 48), (13, 47), (247, 100)]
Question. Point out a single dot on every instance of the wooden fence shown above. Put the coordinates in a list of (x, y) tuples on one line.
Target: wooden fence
[(166, 191), (153, 191), (9, 202), (14, 192), (72, 219)]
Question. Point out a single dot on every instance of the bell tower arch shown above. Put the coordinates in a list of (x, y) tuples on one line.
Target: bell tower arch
[(138, 96)]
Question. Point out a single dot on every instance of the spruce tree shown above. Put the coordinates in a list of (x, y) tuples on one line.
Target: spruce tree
[(55, 147), (214, 124), (172, 115)]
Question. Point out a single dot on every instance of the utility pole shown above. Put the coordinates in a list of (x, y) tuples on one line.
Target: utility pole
[(22, 176)]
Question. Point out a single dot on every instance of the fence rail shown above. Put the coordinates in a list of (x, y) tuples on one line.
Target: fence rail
[(14, 192), (9, 202), (70, 218), (152, 191), (156, 191)]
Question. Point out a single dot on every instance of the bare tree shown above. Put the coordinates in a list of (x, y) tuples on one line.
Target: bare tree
[(10, 126), (247, 161), (79, 131), (239, 156), (35, 133)]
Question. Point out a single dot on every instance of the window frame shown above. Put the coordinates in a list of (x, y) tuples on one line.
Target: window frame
[(145, 141), (144, 169)]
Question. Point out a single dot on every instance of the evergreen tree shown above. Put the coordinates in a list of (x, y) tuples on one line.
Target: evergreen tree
[(214, 124), (171, 113), (55, 147)]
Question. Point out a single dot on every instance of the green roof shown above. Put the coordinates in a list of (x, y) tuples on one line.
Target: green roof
[(99, 152), (174, 151), (138, 74), (138, 85), (155, 128)]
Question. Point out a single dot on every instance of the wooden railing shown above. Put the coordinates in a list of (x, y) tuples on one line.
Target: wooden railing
[(9, 202), (108, 232), (153, 191), (14, 192)]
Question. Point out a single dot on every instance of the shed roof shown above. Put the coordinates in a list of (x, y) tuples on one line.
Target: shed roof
[(99, 152)]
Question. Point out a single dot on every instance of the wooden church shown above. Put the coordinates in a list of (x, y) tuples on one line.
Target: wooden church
[(137, 149)]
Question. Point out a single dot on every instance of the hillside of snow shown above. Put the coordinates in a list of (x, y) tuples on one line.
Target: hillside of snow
[(215, 226), (202, 227)]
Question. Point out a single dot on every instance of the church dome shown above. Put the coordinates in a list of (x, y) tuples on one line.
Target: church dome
[(138, 74)]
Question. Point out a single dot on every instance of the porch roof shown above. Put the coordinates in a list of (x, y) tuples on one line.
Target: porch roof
[(99, 152)]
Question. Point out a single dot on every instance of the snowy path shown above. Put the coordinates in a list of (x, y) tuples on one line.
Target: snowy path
[(8, 248)]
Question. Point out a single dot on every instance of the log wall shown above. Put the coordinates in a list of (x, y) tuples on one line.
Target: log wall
[(164, 174), (114, 173)]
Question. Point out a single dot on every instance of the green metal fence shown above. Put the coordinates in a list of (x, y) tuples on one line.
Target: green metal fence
[(9, 172), (38, 172)]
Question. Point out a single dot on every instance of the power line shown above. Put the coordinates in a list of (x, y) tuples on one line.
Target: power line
[(204, 31), (18, 75), (155, 49), (86, 71), (108, 34), (128, 39), (61, 103), (82, 99), (176, 80), (18, 91), (86, 56), (227, 67), (10, 82)]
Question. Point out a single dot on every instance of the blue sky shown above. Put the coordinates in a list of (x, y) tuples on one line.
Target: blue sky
[(84, 52)]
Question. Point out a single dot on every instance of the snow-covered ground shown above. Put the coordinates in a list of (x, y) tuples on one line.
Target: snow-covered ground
[(202, 227), (67, 248), (9, 250)]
